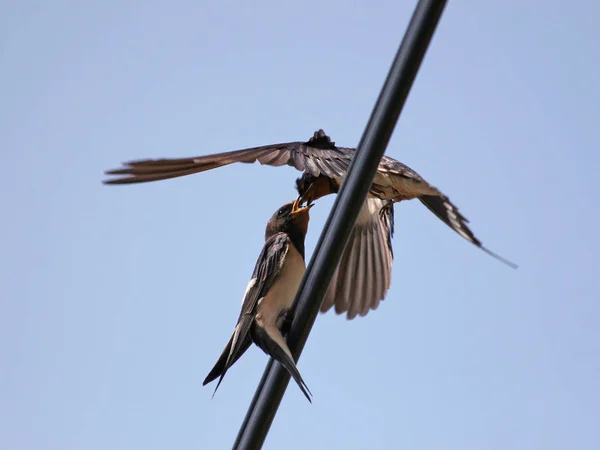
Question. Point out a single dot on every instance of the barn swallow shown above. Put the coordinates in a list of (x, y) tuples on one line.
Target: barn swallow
[(363, 276), (270, 294)]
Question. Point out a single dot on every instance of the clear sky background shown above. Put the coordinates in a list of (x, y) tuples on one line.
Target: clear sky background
[(115, 301)]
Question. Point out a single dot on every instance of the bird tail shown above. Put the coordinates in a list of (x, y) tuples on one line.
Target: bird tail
[(288, 363), (272, 343)]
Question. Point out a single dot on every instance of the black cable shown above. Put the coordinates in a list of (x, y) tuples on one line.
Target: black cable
[(342, 218)]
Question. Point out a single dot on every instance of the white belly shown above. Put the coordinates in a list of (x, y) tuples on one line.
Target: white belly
[(282, 293)]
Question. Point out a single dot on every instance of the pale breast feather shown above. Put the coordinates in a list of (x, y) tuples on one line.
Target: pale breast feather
[(266, 271), (282, 292)]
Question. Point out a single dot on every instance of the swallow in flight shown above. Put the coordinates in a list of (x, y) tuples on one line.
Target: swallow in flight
[(270, 294), (363, 276)]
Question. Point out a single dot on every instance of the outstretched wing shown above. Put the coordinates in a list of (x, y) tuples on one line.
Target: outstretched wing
[(318, 155), (363, 276), (266, 270)]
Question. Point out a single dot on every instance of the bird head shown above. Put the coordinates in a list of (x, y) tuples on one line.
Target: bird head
[(290, 218), (311, 188)]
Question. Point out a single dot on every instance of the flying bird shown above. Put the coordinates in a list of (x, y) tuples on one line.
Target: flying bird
[(270, 294), (363, 276)]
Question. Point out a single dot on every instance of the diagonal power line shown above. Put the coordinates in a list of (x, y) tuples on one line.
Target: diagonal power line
[(343, 216)]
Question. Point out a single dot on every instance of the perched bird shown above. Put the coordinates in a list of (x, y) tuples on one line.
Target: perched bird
[(270, 294), (363, 276)]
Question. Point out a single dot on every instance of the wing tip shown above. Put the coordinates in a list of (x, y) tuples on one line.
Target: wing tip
[(494, 255)]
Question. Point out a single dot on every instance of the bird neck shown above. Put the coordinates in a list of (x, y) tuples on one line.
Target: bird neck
[(297, 238)]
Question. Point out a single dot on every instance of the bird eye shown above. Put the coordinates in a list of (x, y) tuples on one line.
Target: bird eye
[(281, 212)]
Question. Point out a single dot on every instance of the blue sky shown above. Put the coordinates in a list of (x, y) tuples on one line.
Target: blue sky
[(116, 301)]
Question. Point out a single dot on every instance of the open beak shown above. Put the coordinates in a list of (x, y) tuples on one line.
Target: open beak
[(307, 197), (297, 208)]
